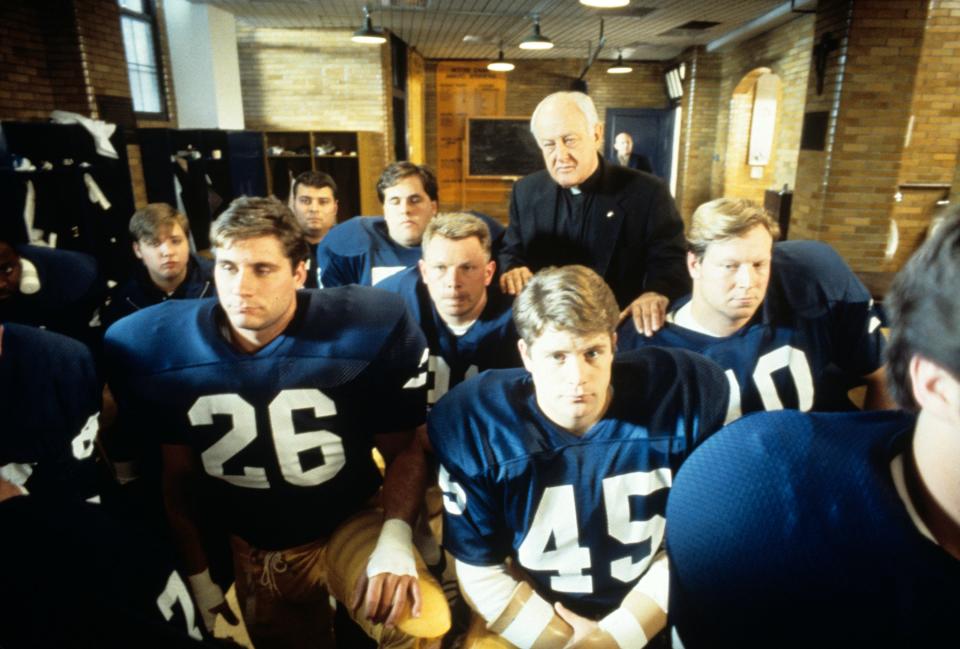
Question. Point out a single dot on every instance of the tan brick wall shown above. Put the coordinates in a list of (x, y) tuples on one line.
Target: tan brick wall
[(931, 155), (785, 51), (875, 104), (312, 79), (699, 162)]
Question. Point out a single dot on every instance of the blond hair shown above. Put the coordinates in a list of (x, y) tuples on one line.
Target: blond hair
[(573, 299), (726, 218)]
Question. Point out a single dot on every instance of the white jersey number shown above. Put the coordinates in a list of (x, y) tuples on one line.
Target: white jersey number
[(787, 356), (174, 593), (555, 519), (440, 371), (288, 443)]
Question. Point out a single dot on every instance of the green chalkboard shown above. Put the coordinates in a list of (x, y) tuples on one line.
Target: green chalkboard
[(499, 147)]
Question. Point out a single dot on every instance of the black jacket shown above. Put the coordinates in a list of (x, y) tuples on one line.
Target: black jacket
[(636, 234), (139, 291)]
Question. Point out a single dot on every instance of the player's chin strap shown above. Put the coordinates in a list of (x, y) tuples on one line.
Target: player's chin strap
[(208, 596)]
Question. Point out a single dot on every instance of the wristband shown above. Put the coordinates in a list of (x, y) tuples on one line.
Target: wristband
[(394, 551)]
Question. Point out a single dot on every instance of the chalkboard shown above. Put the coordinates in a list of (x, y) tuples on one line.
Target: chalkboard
[(501, 146)]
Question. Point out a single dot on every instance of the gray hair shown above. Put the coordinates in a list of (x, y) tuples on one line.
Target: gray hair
[(456, 226), (582, 101)]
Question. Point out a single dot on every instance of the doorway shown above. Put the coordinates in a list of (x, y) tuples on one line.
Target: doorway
[(652, 133)]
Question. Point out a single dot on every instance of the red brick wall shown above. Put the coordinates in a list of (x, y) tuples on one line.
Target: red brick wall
[(62, 54)]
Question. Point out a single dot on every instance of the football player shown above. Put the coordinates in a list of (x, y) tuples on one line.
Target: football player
[(74, 576), (314, 203), (784, 320), (367, 250), (467, 321), (563, 468), (59, 290), (261, 402), (49, 403), (836, 529), (169, 270)]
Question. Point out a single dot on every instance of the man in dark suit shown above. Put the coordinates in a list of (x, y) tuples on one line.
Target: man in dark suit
[(625, 157), (582, 210)]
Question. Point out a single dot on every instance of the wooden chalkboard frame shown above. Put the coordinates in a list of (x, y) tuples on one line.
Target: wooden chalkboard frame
[(467, 150)]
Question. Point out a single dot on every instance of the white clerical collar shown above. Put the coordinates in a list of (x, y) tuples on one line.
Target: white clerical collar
[(575, 190)]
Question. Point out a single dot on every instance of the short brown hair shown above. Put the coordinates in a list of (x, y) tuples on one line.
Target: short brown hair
[(397, 171), (250, 217), (456, 226), (725, 218), (567, 298), (148, 223), (316, 179)]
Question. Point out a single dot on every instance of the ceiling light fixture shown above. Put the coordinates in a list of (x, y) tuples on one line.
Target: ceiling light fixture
[(605, 4), (500, 65), (619, 67), (536, 40), (367, 33)]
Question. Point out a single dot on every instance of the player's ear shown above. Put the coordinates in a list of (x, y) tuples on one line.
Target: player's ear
[(488, 272), (422, 265), (934, 389), (613, 342), (524, 353), (136, 250), (300, 273), (693, 265)]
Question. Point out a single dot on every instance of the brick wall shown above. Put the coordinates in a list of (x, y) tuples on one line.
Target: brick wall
[(61, 55), (699, 163), (312, 79), (39, 66), (785, 51), (930, 156)]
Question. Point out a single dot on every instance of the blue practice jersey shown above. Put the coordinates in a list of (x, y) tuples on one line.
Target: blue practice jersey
[(74, 576), (490, 343), (583, 516), (67, 293), (787, 529), (360, 251), (284, 434), (817, 318), (49, 403)]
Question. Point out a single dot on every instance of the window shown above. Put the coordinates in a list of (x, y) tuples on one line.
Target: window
[(138, 23)]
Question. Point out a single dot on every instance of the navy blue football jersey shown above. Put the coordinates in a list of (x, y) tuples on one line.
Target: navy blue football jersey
[(817, 318), (74, 576), (490, 343), (582, 515), (68, 293), (360, 251), (787, 529), (284, 434), (49, 403)]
